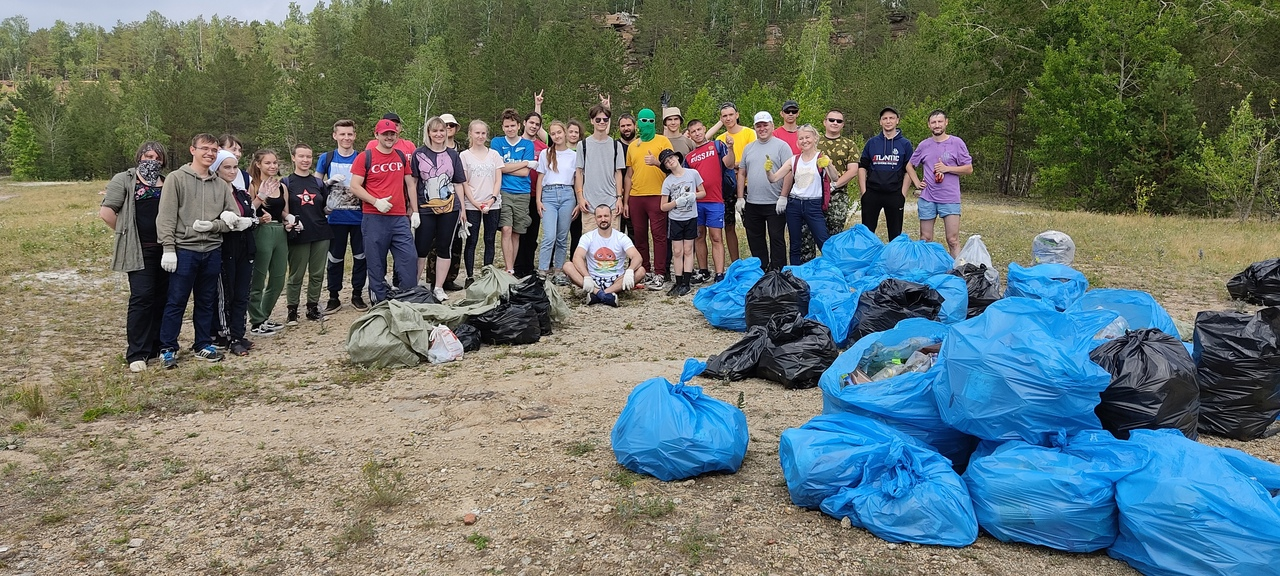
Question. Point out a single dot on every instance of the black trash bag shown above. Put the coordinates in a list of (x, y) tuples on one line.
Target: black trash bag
[(776, 293), (508, 324), (469, 336), (891, 302), (416, 295), (1153, 384), (738, 361), (532, 292), (1258, 284), (1238, 367), (798, 351), (982, 290)]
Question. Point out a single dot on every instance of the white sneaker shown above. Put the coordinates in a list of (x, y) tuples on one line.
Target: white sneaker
[(440, 295), (138, 366)]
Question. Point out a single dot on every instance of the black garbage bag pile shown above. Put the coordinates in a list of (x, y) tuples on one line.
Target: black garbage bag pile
[(777, 293), (891, 302), (983, 286), (469, 336), (791, 350), (1258, 284), (508, 324), (1153, 384), (532, 292), (1238, 367)]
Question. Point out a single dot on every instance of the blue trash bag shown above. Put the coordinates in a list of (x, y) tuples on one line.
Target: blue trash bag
[(1061, 496), (830, 300), (829, 452), (1021, 370), (1139, 309), (955, 297), (724, 303), (904, 402), (908, 494), (912, 260), (853, 250), (1057, 284), (1198, 510), (672, 432)]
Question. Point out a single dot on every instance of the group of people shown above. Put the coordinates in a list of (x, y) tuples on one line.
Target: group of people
[(661, 206)]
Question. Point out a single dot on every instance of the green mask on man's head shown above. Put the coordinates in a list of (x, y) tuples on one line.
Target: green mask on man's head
[(646, 124)]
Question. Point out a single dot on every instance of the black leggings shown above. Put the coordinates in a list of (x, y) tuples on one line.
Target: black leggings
[(892, 204), (436, 231), (474, 219)]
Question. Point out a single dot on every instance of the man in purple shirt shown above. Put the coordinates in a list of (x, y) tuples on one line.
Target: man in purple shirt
[(945, 158)]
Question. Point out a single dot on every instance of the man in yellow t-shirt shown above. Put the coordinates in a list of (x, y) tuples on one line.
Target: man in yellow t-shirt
[(738, 137), (642, 197)]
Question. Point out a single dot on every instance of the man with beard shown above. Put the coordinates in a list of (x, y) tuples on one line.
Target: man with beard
[(945, 158), (605, 263)]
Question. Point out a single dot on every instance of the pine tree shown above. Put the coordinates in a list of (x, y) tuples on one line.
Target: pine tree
[(21, 148)]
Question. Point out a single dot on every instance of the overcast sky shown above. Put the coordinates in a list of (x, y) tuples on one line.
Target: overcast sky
[(42, 13)]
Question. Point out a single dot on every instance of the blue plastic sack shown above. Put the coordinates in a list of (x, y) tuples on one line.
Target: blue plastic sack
[(1139, 309), (1198, 510), (1058, 284), (909, 494), (904, 402), (853, 250), (829, 452), (955, 296), (1062, 496), (724, 303), (674, 432), (1021, 370), (830, 300), (912, 260)]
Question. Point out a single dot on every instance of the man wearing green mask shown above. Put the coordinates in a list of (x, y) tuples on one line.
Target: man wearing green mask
[(642, 197)]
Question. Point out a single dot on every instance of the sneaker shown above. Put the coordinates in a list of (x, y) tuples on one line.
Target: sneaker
[(655, 283), (439, 293), (681, 290), (560, 280), (674, 287), (263, 330), (247, 343), (239, 349), (169, 359), (607, 298), (292, 319), (333, 305), (719, 277), (358, 303), (700, 277), (451, 286), (594, 298), (138, 366), (273, 325), (209, 353), (313, 312), (221, 342)]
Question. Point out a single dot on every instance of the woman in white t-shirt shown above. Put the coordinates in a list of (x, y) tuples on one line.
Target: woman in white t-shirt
[(481, 197), (557, 167), (806, 183)]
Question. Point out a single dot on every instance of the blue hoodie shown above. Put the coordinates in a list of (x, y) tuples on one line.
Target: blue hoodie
[(886, 162)]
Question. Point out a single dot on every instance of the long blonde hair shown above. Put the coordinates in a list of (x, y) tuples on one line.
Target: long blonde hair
[(255, 170), (551, 150)]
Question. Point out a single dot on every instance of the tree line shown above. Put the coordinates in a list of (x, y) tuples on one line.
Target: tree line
[(1108, 105)]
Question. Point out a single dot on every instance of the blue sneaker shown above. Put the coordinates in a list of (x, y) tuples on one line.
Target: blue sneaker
[(594, 297), (609, 299), (169, 359)]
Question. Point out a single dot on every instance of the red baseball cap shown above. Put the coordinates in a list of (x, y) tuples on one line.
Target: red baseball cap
[(385, 126)]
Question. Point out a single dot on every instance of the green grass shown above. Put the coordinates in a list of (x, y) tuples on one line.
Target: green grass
[(384, 486), (480, 541), (624, 478), (580, 448), (631, 510)]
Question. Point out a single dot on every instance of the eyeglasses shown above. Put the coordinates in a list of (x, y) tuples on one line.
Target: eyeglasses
[(601, 119), (836, 120), (213, 149)]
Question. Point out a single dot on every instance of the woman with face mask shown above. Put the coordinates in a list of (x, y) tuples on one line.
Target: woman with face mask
[(130, 207), (238, 251)]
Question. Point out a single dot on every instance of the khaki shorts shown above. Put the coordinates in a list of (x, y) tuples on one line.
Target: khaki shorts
[(515, 212)]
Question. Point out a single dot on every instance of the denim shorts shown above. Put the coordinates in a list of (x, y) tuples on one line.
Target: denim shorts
[(931, 210)]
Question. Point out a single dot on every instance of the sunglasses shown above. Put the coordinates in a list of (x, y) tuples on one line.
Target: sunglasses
[(450, 125), (793, 111), (601, 119), (836, 120)]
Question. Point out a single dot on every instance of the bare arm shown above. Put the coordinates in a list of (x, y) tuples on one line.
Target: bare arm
[(702, 192), (787, 182), (849, 174), (633, 259), (516, 168), (742, 182), (780, 174), (730, 160), (577, 189), (108, 215), (713, 129)]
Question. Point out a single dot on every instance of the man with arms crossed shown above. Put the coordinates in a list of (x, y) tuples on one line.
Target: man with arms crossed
[(518, 158), (945, 158)]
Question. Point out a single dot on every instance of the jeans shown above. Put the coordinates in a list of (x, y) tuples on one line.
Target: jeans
[(759, 219), (233, 297), (490, 220), (385, 234), (558, 201), (338, 255), (196, 271), (148, 294), (801, 212), (647, 218)]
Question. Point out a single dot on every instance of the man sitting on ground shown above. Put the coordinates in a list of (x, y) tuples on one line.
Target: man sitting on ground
[(605, 263)]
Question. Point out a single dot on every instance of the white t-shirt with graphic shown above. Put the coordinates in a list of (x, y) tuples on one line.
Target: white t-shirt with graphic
[(606, 257), (807, 184)]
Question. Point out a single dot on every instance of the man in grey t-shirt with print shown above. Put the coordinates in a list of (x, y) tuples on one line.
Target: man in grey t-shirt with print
[(601, 160), (765, 208)]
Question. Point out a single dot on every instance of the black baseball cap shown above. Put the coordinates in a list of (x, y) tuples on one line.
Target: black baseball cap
[(392, 116), (790, 104), (728, 105), (890, 109)]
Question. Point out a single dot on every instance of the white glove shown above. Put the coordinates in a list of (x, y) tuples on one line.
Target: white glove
[(297, 226), (382, 205), (464, 231), (229, 218), (336, 178), (684, 202), (262, 194), (781, 206), (290, 218), (629, 279), (202, 225), (169, 262), (242, 224), (415, 220), (739, 207), (533, 164), (589, 285)]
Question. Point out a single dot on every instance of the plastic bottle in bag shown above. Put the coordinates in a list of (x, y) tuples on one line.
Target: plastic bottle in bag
[(919, 362), (890, 370), (1117, 328)]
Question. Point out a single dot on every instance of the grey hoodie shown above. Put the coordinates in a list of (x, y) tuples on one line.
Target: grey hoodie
[(186, 198)]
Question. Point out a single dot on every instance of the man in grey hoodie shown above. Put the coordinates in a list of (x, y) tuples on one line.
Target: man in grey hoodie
[(196, 208)]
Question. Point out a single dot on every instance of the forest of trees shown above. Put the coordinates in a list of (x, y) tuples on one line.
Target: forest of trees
[(1108, 105)]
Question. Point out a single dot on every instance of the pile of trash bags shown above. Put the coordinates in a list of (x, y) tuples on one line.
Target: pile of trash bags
[(1258, 284), (790, 350)]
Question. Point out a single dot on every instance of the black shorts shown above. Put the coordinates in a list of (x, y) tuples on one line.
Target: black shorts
[(730, 217), (438, 232), (678, 230)]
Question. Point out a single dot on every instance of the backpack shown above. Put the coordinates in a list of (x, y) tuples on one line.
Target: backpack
[(616, 145), (822, 173), (368, 163), (728, 176)]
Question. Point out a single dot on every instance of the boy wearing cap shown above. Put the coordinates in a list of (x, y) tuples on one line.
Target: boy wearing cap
[(380, 177), (681, 190), (787, 131), (882, 175)]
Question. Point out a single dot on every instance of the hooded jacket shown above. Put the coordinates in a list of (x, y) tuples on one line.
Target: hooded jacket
[(186, 198)]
